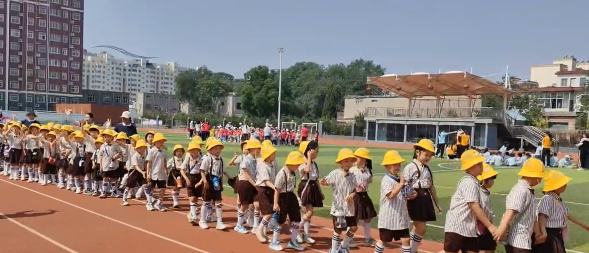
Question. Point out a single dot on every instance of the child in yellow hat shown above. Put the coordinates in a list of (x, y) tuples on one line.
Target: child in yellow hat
[(157, 173), (465, 209), (97, 177), (486, 180), (246, 185), (137, 172), (309, 192), (48, 165), (267, 196), (393, 222), (212, 168), (419, 176), (287, 199), (76, 155), (364, 207), (194, 180), (520, 218), (110, 154), (553, 215), (343, 185), (175, 180)]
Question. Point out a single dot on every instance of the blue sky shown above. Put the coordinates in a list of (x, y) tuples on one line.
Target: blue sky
[(403, 36)]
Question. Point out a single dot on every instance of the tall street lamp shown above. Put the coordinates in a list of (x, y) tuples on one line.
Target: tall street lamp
[(280, 51)]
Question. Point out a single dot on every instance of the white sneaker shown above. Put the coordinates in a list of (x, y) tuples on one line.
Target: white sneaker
[(203, 225), (300, 239), (308, 239), (221, 226), (78, 190), (125, 203), (276, 247)]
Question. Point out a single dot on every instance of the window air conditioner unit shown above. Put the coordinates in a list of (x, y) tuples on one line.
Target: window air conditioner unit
[(19, 104), (21, 14), (19, 53), (20, 66)]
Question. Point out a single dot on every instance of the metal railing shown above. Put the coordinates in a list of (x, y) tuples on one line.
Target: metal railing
[(458, 112)]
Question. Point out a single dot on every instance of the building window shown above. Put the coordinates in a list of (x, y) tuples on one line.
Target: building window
[(76, 4), (42, 23), (75, 65), (42, 36), (42, 61), (64, 88), (14, 58), (1, 30), (564, 82), (555, 100), (583, 81), (30, 34), (118, 100), (76, 16), (30, 8), (14, 46), (29, 85), (75, 40), (41, 74), (74, 89), (238, 106), (15, 33), (14, 85), (1, 17), (29, 98), (30, 21), (75, 53), (66, 14), (106, 100), (63, 100), (74, 100), (42, 10), (126, 100), (30, 73), (66, 3), (15, 20), (65, 26), (53, 87), (14, 97), (53, 100), (15, 6), (41, 87), (14, 72), (91, 98), (40, 99), (76, 28)]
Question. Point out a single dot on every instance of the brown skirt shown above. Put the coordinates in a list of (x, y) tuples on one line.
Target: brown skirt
[(289, 206), (265, 197), (554, 242), (47, 168), (247, 192), (363, 206), (312, 195), (421, 208), (75, 169)]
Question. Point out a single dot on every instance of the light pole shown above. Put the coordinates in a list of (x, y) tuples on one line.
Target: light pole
[(280, 51)]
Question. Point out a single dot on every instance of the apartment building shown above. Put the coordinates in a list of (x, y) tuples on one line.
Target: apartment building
[(229, 105), (103, 71), (40, 53), (560, 85), (155, 103)]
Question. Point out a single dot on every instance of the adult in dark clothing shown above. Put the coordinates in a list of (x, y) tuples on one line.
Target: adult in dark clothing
[(30, 119), (583, 151), (126, 126)]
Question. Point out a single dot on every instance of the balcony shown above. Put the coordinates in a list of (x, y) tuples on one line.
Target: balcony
[(435, 113)]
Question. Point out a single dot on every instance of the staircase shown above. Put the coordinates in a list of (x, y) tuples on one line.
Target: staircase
[(530, 134)]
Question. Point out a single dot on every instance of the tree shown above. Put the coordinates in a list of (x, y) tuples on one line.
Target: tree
[(201, 88), (531, 108), (259, 94), (582, 105)]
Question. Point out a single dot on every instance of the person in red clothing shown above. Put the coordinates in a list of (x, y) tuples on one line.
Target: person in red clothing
[(283, 137), (304, 133)]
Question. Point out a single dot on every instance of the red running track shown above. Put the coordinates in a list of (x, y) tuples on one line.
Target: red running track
[(46, 219)]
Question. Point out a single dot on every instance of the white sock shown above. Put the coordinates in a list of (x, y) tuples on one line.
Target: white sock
[(334, 242), (193, 209), (294, 231), (348, 239), (94, 186), (219, 213), (125, 194), (256, 219), (77, 183), (60, 178), (415, 240), (367, 230), (307, 227), (139, 192), (30, 173), (275, 234), (46, 178), (204, 209), (176, 197), (104, 187)]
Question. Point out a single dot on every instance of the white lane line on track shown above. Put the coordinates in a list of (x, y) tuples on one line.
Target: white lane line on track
[(109, 218), (37, 233)]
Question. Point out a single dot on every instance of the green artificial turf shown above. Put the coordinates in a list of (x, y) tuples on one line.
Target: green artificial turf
[(446, 176)]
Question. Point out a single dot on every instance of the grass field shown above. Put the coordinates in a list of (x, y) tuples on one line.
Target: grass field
[(446, 176)]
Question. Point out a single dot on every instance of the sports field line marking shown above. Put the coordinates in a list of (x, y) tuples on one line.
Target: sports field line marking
[(109, 218), (500, 194), (37, 233)]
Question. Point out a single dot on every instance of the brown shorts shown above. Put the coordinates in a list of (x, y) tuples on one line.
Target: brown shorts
[(454, 242), (247, 192), (511, 249), (387, 235), (265, 197), (350, 221), (191, 190), (289, 206)]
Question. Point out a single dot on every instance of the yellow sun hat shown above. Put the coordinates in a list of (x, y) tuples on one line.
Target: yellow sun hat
[(470, 158), (122, 136), (266, 142), (533, 168), (555, 180), (52, 133), (193, 145), (392, 157), (109, 132), (488, 172), (363, 153), (344, 154), (176, 147), (303, 146), (99, 140), (252, 144), (267, 151), (213, 142), (425, 144), (135, 137), (159, 137), (294, 158), (140, 144)]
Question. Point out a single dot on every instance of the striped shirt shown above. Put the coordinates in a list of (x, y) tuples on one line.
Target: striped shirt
[(212, 165), (419, 174), (486, 203), (285, 180), (460, 219), (342, 184), (191, 165), (521, 199), (174, 163), (247, 164), (363, 177), (393, 214), (313, 172), (264, 173), (552, 206)]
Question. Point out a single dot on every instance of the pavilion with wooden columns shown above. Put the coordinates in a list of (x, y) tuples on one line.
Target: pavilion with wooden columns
[(487, 126)]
